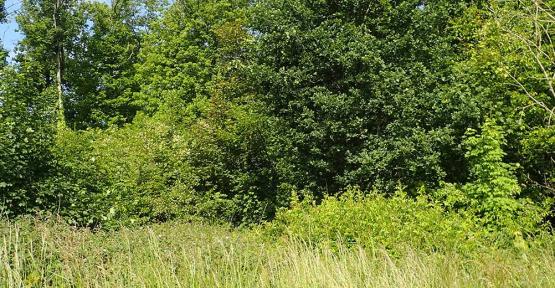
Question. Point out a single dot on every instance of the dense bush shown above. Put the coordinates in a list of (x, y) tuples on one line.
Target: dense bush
[(26, 135), (212, 164), (228, 153), (394, 223), (76, 180), (492, 196), (376, 221)]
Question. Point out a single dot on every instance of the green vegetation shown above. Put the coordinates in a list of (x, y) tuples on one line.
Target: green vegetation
[(389, 143), (374, 221), (174, 254)]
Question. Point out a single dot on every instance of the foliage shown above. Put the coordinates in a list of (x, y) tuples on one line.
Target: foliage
[(205, 170), (538, 149), (130, 176), (227, 150), (42, 170), (26, 135), (492, 194), (220, 109), (101, 70), (146, 180), (504, 78), (376, 221), (3, 56), (180, 55), (37, 50), (100, 45), (79, 186), (358, 100)]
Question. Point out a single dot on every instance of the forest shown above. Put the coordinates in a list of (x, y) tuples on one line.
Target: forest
[(379, 141)]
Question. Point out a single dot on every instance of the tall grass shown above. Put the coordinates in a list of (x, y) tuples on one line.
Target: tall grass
[(47, 254)]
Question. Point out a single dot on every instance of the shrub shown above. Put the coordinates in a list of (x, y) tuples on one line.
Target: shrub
[(75, 180), (26, 129), (140, 162), (376, 221), (209, 163), (227, 151), (492, 195)]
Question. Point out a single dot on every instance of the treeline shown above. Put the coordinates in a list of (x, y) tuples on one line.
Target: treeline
[(140, 110)]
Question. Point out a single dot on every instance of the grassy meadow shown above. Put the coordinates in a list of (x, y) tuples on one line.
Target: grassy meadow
[(175, 254)]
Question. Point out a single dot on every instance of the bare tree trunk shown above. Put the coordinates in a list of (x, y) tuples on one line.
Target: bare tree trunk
[(59, 66)]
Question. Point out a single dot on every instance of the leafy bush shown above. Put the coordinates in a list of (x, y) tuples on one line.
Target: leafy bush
[(492, 195), (139, 164), (211, 162), (26, 135), (75, 180), (225, 147), (376, 221)]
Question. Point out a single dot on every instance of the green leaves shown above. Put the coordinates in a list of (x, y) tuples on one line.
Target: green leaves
[(390, 223), (101, 72), (26, 135), (492, 194), (224, 107), (356, 95), (185, 50)]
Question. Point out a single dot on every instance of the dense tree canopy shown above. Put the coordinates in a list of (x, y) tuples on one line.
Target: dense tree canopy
[(358, 96), (142, 110)]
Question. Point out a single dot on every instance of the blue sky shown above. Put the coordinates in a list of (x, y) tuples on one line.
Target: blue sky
[(8, 32)]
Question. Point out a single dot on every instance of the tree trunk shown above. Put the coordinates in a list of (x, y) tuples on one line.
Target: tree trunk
[(59, 66)]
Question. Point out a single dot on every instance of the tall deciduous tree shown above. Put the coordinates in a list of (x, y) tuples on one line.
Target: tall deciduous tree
[(357, 89), (101, 72), (49, 29), (87, 52), (180, 55)]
